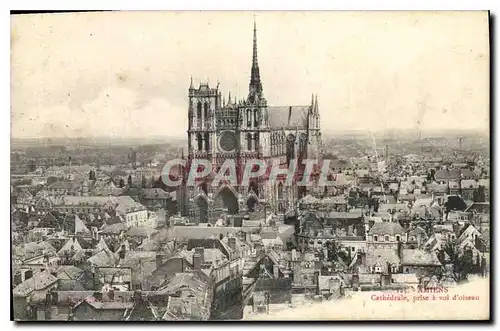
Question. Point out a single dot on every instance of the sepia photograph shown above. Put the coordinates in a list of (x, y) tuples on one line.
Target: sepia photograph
[(250, 165)]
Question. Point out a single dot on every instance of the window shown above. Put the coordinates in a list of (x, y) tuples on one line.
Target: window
[(255, 118), (352, 249), (198, 111), (200, 141), (249, 141), (398, 238), (206, 110), (375, 238), (207, 139), (249, 117), (386, 238)]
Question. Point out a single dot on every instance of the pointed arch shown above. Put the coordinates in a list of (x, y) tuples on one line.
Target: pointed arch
[(249, 117), (228, 196), (302, 145), (290, 148), (255, 118)]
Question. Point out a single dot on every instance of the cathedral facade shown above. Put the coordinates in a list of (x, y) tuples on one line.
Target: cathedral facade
[(241, 130)]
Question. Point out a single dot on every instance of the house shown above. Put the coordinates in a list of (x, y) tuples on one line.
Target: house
[(190, 298), (331, 287), (154, 198), (417, 237), (417, 261), (92, 309), (39, 285), (386, 233)]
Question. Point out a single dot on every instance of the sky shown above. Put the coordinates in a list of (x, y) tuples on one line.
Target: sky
[(127, 74)]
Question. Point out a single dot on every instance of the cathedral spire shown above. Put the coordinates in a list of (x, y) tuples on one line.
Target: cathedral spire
[(316, 105), (191, 87), (255, 87)]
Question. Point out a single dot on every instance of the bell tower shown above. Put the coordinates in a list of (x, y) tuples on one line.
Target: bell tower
[(203, 103)]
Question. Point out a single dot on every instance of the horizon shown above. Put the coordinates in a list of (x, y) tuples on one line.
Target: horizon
[(83, 92)]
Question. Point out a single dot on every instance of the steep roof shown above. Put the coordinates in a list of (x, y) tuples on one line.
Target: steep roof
[(290, 117), (71, 246), (39, 281), (386, 228), (80, 227)]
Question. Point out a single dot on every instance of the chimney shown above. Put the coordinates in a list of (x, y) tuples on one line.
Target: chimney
[(200, 251), (197, 259), (232, 243)]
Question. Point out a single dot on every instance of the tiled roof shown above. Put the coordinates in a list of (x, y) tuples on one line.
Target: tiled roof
[(386, 228), (70, 247), (288, 117), (104, 258), (39, 281)]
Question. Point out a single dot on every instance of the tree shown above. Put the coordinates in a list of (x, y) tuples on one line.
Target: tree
[(455, 203), (458, 265)]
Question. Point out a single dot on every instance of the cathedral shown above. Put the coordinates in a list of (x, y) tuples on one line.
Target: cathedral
[(241, 130)]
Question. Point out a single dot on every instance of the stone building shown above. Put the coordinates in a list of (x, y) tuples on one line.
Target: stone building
[(242, 130)]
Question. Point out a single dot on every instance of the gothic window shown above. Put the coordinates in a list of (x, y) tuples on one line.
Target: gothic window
[(198, 111), (290, 148), (255, 118), (256, 140), (207, 141), (200, 140), (249, 117), (206, 110), (249, 141)]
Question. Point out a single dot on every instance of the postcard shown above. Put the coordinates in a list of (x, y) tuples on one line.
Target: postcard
[(269, 165)]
